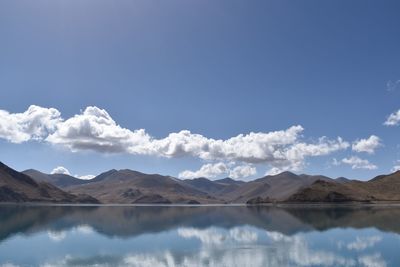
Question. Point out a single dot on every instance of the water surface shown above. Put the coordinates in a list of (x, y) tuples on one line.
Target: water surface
[(199, 236)]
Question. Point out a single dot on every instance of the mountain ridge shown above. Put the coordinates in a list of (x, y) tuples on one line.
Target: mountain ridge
[(127, 186)]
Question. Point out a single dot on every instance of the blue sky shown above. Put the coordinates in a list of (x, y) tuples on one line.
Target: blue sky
[(215, 68)]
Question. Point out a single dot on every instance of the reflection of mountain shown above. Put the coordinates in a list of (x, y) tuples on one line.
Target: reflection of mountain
[(131, 221)]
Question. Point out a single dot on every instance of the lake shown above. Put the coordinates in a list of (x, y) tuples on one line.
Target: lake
[(156, 236)]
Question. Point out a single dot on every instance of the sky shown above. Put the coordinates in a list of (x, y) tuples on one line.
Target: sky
[(201, 88)]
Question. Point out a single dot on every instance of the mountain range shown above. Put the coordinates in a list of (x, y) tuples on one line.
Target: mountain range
[(133, 187)]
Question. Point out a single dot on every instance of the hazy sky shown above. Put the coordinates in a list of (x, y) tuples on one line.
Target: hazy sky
[(242, 88)]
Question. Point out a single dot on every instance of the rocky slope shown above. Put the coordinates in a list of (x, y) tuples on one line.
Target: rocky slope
[(18, 187), (127, 186)]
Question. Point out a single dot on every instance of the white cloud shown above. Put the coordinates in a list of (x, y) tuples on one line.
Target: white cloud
[(60, 170), (85, 177), (367, 145), (208, 170), (95, 130), (34, 123), (396, 167), (393, 119), (358, 163), (242, 171), (63, 170)]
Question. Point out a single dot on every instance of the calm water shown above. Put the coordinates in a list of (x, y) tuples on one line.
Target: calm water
[(199, 236)]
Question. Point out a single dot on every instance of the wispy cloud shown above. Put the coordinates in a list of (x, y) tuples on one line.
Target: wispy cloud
[(393, 119), (392, 85), (358, 163)]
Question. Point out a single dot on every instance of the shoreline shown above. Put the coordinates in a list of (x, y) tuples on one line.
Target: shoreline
[(277, 205)]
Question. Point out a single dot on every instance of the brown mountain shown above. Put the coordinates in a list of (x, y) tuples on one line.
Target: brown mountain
[(380, 188), (59, 180), (19, 187), (215, 188), (272, 187), (127, 186)]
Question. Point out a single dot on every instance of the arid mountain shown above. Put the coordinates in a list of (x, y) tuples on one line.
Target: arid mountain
[(216, 188), (273, 187), (229, 181), (127, 186), (18, 187), (380, 188), (59, 180)]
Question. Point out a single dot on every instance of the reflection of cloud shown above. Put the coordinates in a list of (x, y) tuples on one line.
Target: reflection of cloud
[(243, 235), (56, 236), (362, 243), (374, 260), (296, 251), (236, 247), (213, 236), (261, 256), (8, 265), (85, 229)]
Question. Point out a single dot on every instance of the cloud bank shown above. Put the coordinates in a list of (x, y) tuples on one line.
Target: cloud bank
[(95, 130)]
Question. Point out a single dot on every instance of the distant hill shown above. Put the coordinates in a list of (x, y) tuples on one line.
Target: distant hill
[(215, 188), (19, 187), (59, 180), (133, 187), (380, 188), (127, 186), (274, 187)]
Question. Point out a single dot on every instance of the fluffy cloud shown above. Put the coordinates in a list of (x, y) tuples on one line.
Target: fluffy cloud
[(367, 145), (34, 123), (210, 170), (85, 177), (63, 170), (393, 119), (358, 163), (94, 129), (242, 171), (207, 170), (60, 170)]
